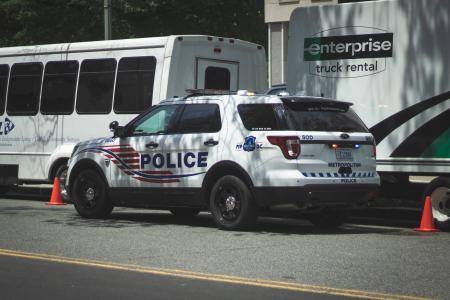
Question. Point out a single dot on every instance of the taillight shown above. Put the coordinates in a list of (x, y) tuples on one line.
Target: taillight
[(374, 150), (289, 145)]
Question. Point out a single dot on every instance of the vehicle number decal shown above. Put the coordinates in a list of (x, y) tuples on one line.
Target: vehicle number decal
[(307, 137)]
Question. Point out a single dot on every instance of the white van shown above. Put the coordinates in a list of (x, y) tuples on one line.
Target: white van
[(391, 59), (53, 96)]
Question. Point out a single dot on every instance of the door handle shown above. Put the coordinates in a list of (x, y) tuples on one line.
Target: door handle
[(211, 142), (152, 145)]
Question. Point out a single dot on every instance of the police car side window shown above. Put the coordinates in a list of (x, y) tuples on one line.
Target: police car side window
[(259, 117), (158, 121), (200, 118)]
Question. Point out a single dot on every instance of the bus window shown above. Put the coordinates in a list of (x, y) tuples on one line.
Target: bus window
[(24, 89), (4, 70), (217, 78), (58, 89), (134, 85), (95, 86)]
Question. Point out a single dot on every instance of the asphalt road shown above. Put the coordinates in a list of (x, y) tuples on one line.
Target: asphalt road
[(28, 278), (278, 259)]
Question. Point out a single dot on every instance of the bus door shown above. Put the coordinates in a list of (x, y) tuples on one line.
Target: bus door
[(217, 74)]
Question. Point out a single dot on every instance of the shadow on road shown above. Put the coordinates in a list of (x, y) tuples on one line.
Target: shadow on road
[(360, 223), (265, 226)]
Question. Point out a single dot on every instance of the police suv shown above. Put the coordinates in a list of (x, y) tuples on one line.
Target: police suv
[(235, 155)]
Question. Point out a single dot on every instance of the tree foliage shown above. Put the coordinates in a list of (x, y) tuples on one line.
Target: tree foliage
[(31, 22)]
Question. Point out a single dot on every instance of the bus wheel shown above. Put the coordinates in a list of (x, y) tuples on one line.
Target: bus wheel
[(231, 204), (439, 191), (90, 195), (61, 174)]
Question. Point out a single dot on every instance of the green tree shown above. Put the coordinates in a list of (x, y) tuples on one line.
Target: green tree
[(31, 22)]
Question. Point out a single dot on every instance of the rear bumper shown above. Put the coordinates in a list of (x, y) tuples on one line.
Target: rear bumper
[(315, 196), (9, 175)]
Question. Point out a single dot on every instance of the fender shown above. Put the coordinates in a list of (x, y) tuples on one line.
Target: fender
[(82, 164), (225, 167)]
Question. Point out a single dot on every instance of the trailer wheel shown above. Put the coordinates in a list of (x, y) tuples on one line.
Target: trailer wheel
[(90, 195), (439, 191)]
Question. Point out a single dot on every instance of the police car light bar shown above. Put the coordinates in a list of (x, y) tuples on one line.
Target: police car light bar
[(207, 92)]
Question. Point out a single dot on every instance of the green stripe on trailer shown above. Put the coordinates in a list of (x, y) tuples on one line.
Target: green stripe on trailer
[(439, 148)]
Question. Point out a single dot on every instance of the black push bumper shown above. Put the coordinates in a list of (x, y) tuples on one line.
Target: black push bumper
[(311, 196)]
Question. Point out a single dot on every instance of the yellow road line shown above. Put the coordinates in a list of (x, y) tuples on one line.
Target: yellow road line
[(208, 277)]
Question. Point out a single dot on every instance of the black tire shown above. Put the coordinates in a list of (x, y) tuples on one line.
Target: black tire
[(61, 174), (231, 204), (439, 191), (328, 218), (183, 212), (90, 195)]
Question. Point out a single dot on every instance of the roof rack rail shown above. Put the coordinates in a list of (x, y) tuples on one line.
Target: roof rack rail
[(207, 92)]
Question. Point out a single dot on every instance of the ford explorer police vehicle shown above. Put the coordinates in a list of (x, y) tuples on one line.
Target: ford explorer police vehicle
[(235, 155)]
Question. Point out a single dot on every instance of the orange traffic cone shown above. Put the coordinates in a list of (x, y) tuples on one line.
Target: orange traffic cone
[(427, 222), (55, 199)]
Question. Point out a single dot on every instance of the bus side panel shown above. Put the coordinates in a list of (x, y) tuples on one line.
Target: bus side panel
[(33, 141), (29, 140)]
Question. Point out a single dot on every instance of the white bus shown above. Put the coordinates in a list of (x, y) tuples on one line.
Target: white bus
[(53, 96)]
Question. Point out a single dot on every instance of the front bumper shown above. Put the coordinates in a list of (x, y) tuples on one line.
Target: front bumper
[(315, 196)]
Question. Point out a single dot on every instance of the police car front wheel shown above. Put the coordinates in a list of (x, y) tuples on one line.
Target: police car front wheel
[(231, 203), (90, 195)]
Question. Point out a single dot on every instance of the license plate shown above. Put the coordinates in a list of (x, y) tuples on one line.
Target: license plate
[(344, 154)]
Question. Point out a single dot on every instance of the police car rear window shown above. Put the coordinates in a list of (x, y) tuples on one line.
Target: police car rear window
[(273, 117), (323, 120)]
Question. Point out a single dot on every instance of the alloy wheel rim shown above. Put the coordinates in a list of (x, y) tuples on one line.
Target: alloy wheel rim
[(229, 204)]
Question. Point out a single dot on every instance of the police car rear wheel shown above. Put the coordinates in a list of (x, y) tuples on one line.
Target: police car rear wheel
[(231, 204), (90, 195)]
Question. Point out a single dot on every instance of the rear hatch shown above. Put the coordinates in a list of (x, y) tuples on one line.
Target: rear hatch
[(321, 138), (334, 142)]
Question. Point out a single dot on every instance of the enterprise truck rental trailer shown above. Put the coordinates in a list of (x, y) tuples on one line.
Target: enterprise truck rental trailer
[(391, 59)]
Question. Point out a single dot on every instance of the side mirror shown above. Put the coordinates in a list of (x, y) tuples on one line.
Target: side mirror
[(116, 129), (113, 126)]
